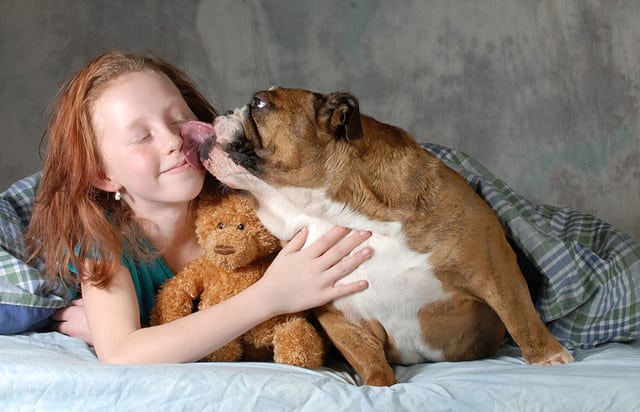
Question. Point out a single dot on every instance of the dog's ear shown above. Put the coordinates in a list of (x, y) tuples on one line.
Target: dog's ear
[(343, 114)]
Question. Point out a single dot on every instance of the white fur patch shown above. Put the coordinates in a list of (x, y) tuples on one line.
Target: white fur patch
[(400, 280)]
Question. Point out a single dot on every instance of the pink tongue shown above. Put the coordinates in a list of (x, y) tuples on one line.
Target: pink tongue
[(195, 133)]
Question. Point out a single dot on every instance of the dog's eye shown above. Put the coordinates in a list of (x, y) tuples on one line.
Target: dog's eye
[(241, 226), (220, 225), (257, 103)]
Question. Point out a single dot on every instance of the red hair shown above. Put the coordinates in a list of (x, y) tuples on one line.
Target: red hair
[(72, 219)]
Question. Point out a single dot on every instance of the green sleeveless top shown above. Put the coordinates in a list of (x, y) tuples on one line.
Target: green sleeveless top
[(147, 277)]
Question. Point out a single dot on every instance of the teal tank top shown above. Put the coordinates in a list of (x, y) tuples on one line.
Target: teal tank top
[(147, 277)]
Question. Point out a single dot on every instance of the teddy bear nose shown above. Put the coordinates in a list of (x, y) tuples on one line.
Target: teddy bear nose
[(224, 249)]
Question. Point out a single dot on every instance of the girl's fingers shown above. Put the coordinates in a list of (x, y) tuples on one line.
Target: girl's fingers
[(345, 289), (62, 327), (58, 315), (61, 315), (332, 247), (326, 241), (348, 264), (296, 243), (339, 251)]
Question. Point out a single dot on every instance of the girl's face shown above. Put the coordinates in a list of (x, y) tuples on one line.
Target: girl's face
[(137, 119)]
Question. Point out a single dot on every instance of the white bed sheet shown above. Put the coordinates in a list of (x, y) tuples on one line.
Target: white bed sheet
[(52, 372)]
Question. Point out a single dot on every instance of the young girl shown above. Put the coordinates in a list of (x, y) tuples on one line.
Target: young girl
[(115, 210)]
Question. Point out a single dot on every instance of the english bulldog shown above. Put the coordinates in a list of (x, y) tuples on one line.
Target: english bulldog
[(444, 283)]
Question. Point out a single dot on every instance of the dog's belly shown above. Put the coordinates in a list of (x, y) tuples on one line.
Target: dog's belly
[(401, 280)]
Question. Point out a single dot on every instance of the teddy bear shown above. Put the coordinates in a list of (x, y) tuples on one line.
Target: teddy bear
[(237, 251)]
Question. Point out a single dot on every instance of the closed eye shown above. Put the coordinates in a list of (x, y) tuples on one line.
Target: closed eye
[(140, 138), (178, 113), (180, 119)]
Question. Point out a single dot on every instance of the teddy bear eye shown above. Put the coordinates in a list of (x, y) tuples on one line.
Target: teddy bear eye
[(220, 225), (241, 226)]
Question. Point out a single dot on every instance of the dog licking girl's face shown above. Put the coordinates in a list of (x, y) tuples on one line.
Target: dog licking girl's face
[(195, 135)]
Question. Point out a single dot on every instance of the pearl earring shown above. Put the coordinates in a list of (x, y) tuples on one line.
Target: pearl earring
[(118, 196)]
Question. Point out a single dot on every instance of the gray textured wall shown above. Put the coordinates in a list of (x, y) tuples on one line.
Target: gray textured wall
[(544, 93)]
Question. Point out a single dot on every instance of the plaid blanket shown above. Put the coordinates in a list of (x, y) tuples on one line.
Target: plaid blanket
[(27, 299), (591, 272)]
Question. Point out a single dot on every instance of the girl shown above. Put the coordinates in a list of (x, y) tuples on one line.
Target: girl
[(115, 211)]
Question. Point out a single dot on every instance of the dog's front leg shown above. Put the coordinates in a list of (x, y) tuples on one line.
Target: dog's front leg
[(361, 345)]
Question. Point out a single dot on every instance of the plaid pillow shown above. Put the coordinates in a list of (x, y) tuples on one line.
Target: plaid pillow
[(27, 298)]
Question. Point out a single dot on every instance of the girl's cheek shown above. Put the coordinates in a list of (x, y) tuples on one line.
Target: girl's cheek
[(144, 160), (145, 165)]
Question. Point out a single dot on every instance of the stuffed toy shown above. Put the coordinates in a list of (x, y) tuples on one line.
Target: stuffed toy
[(237, 252)]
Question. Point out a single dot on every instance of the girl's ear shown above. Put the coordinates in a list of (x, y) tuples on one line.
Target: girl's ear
[(103, 182)]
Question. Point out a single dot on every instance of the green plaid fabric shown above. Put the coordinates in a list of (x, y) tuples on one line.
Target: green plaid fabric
[(591, 291), (26, 297)]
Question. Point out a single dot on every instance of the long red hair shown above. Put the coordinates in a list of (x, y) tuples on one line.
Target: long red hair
[(72, 219)]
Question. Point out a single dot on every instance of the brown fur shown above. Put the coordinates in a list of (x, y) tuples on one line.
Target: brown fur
[(235, 258), (310, 140)]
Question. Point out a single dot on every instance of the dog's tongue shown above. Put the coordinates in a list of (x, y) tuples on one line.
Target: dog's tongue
[(193, 134)]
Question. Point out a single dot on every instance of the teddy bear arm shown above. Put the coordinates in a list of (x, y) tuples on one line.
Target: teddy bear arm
[(178, 296)]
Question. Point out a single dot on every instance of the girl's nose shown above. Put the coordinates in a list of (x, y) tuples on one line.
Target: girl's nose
[(173, 140)]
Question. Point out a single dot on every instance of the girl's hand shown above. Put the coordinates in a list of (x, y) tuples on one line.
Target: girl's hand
[(72, 321), (299, 279)]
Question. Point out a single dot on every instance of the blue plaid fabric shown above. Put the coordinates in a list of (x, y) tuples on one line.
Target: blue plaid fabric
[(27, 298), (591, 271)]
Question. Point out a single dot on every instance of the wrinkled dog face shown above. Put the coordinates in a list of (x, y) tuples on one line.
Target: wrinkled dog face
[(282, 136)]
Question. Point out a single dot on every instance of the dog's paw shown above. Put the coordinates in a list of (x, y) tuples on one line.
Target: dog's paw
[(557, 359)]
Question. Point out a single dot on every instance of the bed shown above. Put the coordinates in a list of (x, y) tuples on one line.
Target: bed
[(53, 372), (589, 296)]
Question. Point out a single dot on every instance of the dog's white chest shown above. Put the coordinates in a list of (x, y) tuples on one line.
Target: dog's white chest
[(401, 280)]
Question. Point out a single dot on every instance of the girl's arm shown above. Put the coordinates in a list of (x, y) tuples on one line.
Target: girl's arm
[(296, 280)]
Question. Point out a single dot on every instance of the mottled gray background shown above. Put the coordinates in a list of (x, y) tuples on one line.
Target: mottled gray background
[(544, 93)]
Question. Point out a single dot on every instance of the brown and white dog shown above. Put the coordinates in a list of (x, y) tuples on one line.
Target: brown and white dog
[(443, 280)]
